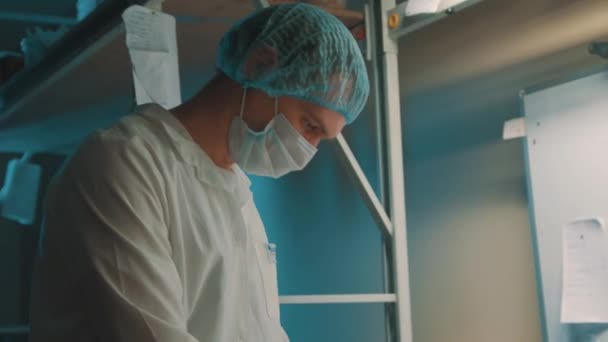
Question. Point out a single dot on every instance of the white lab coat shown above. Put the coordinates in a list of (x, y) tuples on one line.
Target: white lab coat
[(145, 239)]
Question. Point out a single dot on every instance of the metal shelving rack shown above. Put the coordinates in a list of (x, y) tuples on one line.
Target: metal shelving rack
[(385, 23)]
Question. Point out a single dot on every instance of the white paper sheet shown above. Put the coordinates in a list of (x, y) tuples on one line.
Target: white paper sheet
[(152, 43), (415, 7), (513, 129), (585, 272), (148, 30)]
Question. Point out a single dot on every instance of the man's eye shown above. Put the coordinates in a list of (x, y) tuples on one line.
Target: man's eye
[(310, 125)]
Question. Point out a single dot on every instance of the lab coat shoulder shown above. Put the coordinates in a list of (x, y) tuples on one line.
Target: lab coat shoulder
[(109, 199), (112, 169)]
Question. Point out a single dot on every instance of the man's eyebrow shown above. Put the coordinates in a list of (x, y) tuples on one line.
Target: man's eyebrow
[(322, 125)]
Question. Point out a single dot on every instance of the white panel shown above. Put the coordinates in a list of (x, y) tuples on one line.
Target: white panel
[(567, 147)]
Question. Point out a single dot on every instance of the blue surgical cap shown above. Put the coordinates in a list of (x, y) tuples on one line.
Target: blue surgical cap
[(301, 51)]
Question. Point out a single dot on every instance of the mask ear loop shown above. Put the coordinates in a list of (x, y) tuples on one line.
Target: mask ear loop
[(243, 102)]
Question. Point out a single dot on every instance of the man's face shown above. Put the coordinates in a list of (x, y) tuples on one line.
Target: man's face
[(315, 123)]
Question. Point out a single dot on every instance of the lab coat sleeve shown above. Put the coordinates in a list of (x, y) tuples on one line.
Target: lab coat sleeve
[(110, 201)]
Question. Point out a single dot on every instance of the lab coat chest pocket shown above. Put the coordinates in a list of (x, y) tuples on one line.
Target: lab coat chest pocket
[(266, 257)]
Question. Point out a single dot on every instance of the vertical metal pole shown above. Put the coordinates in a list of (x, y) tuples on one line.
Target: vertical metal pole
[(397, 203), (396, 182), (373, 33)]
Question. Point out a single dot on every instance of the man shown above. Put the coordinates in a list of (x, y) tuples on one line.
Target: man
[(151, 233)]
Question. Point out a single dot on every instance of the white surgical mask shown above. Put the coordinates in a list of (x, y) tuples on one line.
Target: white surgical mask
[(273, 152)]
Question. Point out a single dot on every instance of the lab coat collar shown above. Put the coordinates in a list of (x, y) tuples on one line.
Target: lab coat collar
[(234, 181)]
